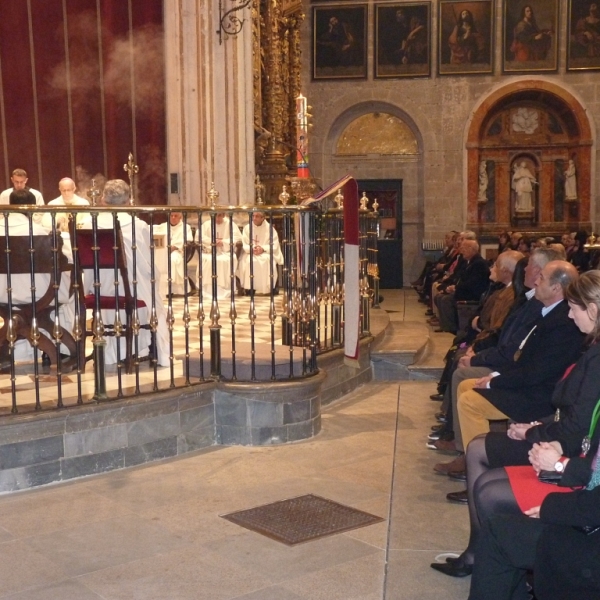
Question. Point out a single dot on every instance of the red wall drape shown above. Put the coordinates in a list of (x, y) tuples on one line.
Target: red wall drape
[(95, 93)]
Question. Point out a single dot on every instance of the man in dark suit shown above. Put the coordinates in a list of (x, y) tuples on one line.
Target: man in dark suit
[(522, 390), (471, 284)]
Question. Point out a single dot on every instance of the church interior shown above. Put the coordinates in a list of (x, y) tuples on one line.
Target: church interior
[(442, 131)]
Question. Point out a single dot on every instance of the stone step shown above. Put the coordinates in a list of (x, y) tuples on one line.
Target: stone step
[(403, 344), (409, 351)]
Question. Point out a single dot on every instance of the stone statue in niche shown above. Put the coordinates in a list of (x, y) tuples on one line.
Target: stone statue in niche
[(483, 182), (571, 182), (522, 183)]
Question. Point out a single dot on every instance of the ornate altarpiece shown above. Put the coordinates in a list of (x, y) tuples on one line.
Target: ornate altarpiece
[(276, 53), (524, 140)]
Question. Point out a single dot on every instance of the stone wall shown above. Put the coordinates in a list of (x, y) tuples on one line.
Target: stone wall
[(439, 110)]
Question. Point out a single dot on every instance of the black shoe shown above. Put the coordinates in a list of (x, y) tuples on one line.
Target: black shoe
[(458, 497), (454, 569), (45, 360), (436, 397), (429, 313), (442, 434), (441, 417), (438, 427), (458, 475)]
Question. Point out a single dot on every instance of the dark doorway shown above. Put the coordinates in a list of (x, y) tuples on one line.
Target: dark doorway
[(389, 244)]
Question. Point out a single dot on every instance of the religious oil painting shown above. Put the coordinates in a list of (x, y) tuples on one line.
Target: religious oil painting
[(530, 36), (583, 43), (466, 43), (340, 42), (403, 40)]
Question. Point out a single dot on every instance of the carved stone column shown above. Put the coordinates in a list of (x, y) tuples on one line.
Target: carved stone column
[(210, 105)]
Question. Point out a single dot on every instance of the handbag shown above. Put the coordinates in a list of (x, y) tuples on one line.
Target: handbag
[(551, 477)]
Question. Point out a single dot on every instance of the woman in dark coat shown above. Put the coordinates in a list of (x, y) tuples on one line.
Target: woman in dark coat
[(559, 540)]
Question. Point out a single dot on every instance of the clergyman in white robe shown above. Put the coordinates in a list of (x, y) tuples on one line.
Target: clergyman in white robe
[(263, 250), (225, 254), (116, 195), (177, 254)]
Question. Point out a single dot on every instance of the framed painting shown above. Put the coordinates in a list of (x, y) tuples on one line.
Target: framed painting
[(340, 42), (403, 40), (466, 37), (530, 36), (583, 44)]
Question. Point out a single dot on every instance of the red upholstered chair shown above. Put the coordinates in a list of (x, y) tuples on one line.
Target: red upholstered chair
[(97, 251), (21, 257)]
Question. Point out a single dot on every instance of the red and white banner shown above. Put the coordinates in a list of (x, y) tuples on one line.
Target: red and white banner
[(349, 189)]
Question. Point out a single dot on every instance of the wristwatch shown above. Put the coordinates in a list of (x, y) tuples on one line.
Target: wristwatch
[(559, 466)]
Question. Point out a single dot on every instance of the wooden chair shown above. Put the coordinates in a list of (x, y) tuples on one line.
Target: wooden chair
[(20, 258), (99, 251)]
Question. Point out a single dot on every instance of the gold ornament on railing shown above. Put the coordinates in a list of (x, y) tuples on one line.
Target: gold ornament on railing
[(284, 197), (93, 193), (212, 195), (375, 205), (132, 170), (259, 190), (364, 201), (339, 199)]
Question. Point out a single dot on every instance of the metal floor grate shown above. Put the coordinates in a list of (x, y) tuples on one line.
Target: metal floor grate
[(301, 519)]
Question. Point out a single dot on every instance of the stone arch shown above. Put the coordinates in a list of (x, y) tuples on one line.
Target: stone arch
[(563, 108), (408, 168)]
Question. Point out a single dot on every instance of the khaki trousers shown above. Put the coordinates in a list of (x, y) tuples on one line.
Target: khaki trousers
[(474, 412)]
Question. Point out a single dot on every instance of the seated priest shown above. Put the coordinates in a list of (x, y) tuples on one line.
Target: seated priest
[(68, 197), (258, 264), (177, 248), (115, 195), (226, 240), (19, 224)]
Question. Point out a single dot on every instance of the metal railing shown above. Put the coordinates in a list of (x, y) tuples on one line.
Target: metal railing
[(220, 296)]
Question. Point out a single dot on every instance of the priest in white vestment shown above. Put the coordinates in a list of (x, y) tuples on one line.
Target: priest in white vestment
[(178, 253), (116, 194), (225, 253), (18, 225), (263, 250), (68, 197), (19, 180)]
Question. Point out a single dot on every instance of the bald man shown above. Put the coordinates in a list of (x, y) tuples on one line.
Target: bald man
[(470, 285), (68, 197), (522, 390)]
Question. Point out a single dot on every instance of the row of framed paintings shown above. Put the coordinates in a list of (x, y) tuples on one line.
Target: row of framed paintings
[(402, 38)]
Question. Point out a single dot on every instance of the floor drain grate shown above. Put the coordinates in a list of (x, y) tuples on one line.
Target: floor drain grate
[(301, 519)]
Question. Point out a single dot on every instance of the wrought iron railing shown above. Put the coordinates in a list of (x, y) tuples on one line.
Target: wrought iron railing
[(255, 303)]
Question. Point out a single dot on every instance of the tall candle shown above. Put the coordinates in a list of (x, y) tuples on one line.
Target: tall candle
[(302, 137)]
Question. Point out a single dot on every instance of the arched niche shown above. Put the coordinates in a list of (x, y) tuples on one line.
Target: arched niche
[(544, 126), (393, 136)]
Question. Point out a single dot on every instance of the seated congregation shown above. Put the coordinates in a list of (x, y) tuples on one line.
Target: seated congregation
[(520, 407)]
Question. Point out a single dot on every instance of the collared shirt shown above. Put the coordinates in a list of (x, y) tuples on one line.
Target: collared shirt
[(547, 309)]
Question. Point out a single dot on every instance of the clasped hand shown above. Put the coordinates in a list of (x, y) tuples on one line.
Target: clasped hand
[(544, 456)]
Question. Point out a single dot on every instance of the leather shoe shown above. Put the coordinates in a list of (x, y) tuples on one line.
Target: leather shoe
[(458, 475), (446, 446), (438, 427), (436, 397), (457, 464), (458, 497), (454, 569), (441, 417)]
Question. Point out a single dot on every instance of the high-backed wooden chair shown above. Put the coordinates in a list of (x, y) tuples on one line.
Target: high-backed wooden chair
[(99, 251), (22, 257)]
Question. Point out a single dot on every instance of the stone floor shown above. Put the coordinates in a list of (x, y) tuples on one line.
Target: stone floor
[(154, 532)]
